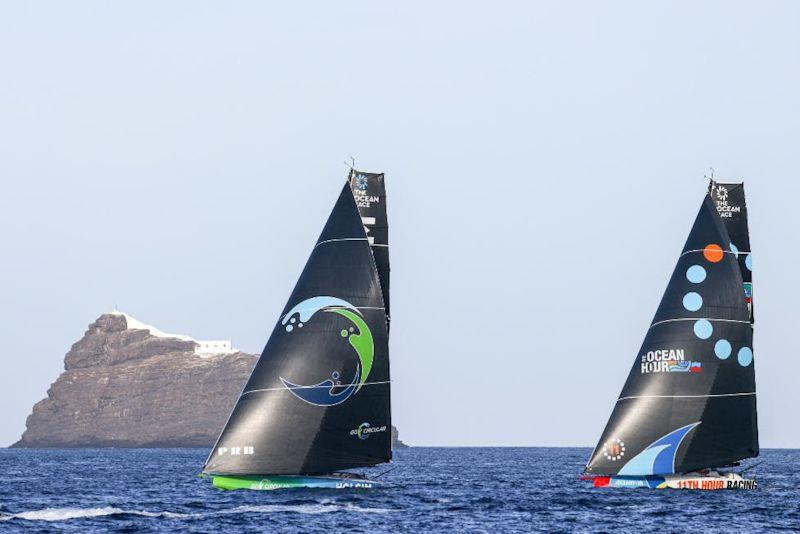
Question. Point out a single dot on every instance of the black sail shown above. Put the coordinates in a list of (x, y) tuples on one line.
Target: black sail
[(732, 209), (369, 190), (318, 398), (689, 402)]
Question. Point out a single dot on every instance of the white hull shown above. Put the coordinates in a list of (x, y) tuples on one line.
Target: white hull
[(704, 480)]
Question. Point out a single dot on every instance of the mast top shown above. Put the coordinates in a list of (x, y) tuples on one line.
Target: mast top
[(713, 182)]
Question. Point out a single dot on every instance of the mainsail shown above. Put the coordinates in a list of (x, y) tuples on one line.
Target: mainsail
[(689, 402), (318, 398), (369, 191), (732, 209)]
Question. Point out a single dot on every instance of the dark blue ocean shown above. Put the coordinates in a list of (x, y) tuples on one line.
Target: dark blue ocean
[(428, 490)]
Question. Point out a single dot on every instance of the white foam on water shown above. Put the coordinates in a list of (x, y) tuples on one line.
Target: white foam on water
[(66, 514)]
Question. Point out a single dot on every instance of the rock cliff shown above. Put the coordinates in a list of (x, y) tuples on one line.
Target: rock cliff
[(125, 385)]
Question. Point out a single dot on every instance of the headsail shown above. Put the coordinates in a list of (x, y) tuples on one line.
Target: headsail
[(689, 402), (369, 191), (318, 398)]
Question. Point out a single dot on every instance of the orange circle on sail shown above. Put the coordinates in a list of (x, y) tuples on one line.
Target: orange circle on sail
[(713, 253)]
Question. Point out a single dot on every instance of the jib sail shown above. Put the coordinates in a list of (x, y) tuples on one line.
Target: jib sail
[(689, 401), (318, 398)]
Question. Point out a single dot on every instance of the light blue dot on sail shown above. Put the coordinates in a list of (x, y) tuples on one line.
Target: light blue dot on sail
[(695, 274), (745, 356), (735, 250), (749, 262), (692, 301), (703, 328), (722, 349)]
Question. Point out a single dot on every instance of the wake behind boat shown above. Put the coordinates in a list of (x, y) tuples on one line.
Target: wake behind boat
[(318, 399), (688, 407)]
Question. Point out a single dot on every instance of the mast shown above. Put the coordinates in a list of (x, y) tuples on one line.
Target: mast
[(317, 400), (689, 402)]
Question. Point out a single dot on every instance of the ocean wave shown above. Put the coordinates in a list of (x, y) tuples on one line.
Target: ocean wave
[(66, 514)]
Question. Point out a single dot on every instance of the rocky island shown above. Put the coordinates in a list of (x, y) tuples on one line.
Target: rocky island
[(127, 384)]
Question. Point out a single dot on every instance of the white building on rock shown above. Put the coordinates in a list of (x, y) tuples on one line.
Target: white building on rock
[(208, 348)]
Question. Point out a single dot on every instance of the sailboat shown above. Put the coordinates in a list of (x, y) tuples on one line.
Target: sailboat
[(318, 400), (688, 407)]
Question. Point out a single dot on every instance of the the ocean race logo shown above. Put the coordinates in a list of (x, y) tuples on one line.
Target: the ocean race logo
[(614, 449), (331, 391), (360, 186), (720, 195), (364, 430), (362, 181), (668, 361)]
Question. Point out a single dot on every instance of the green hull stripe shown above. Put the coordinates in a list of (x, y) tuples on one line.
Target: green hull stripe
[(286, 482)]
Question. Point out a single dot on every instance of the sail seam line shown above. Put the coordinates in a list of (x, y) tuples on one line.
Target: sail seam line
[(685, 396), (356, 307), (341, 239), (698, 319), (308, 387), (725, 251)]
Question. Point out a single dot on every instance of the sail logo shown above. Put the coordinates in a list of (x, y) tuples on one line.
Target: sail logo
[(236, 451), (331, 391), (363, 200), (614, 449), (668, 361), (657, 458), (720, 196), (362, 180), (364, 430), (748, 297)]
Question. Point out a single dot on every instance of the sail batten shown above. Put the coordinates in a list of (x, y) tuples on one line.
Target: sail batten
[(699, 318), (689, 401), (686, 396), (318, 399), (310, 387)]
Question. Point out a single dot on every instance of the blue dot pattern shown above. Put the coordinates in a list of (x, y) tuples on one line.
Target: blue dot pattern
[(703, 329), (722, 349), (745, 356), (692, 301), (695, 274)]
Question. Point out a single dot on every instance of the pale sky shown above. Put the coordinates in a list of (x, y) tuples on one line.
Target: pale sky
[(544, 165)]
